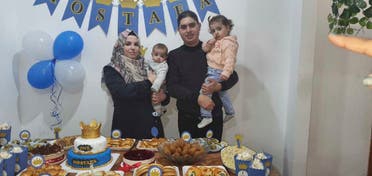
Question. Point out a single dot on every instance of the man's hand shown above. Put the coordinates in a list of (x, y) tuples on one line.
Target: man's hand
[(158, 97), (205, 102), (211, 86)]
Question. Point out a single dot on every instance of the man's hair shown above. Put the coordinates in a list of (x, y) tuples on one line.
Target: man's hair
[(187, 13)]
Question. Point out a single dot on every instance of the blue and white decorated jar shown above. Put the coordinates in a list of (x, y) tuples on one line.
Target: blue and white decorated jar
[(20, 153), (5, 131), (8, 163)]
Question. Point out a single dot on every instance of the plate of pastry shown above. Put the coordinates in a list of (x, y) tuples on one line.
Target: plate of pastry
[(150, 144), (204, 170), (102, 173), (121, 143), (166, 170)]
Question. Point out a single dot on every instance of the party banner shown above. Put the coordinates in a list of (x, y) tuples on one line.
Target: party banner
[(128, 12), (76, 9), (128, 16), (203, 6), (52, 4), (175, 7), (100, 15), (154, 16)]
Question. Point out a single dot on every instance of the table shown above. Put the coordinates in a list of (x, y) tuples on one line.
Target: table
[(210, 159)]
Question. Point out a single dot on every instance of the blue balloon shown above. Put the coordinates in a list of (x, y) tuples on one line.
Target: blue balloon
[(67, 45), (41, 74)]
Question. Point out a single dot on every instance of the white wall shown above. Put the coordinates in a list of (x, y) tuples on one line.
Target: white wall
[(341, 115)]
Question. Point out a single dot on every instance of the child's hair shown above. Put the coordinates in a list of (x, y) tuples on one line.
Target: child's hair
[(160, 46), (221, 19)]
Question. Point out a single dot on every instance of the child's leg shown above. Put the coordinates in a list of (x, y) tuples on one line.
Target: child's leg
[(227, 105)]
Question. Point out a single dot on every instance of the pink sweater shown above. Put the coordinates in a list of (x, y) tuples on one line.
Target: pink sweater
[(223, 55)]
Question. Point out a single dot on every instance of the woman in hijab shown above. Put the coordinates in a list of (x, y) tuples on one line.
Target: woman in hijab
[(130, 87)]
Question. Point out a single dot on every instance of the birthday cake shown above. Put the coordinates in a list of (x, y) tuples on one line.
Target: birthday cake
[(90, 149)]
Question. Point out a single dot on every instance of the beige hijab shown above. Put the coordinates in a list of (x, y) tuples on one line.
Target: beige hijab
[(132, 70)]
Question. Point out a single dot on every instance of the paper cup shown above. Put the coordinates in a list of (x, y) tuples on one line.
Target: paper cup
[(20, 153), (5, 136)]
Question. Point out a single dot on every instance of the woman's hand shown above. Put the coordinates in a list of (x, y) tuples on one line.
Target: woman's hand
[(151, 76), (205, 102), (158, 97), (211, 86)]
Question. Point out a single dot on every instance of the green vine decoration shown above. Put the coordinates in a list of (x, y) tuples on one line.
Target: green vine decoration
[(349, 17)]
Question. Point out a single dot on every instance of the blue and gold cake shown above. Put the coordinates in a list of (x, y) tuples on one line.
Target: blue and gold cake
[(90, 149)]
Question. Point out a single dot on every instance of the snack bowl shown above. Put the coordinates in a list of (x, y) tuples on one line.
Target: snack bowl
[(180, 152), (135, 156)]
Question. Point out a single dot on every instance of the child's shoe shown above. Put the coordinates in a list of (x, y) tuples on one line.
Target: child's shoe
[(228, 117), (205, 121)]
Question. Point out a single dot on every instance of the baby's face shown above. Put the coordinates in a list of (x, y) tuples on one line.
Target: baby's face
[(159, 55)]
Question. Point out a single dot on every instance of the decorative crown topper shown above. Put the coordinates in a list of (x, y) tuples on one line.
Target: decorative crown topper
[(243, 166), (151, 3), (143, 51), (91, 130), (104, 2), (128, 4)]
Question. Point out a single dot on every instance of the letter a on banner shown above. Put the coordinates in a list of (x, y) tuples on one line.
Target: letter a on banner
[(77, 9), (100, 14), (154, 16), (128, 16), (203, 6), (175, 7), (52, 4)]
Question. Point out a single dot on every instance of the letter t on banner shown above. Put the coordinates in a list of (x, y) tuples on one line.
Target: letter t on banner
[(203, 6), (128, 16)]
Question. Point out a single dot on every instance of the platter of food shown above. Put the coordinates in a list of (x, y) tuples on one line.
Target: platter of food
[(166, 170), (204, 170), (121, 143), (102, 173), (150, 144), (50, 169), (66, 142)]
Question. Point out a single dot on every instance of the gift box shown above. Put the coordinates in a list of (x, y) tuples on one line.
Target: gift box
[(241, 166), (5, 135), (267, 160), (8, 163), (20, 153)]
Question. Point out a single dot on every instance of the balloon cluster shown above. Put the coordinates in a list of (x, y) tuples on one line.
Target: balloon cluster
[(61, 66)]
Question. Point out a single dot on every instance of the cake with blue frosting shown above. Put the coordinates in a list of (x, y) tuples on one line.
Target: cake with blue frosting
[(90, 149)]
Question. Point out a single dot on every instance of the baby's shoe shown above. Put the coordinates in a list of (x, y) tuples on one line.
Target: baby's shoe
[(228, 117), (205, 121)]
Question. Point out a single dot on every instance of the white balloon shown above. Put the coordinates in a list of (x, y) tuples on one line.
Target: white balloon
[(38, 45), (70, 75)]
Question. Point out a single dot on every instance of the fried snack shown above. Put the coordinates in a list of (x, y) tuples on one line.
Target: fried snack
[(151, 143), (181, 152), (166, 170), (99, 173), (53, 170), (120, 144), (66, 142), (205, 171), (193, 171)]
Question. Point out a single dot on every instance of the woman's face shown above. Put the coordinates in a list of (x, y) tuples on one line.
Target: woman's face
[(131, 47), (189, 30)]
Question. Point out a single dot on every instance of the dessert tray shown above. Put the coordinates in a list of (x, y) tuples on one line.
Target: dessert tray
[(150, 144), (120, 144), (166, 170), (66, 142), (102, 173), (204, 170), (50, 169), (211, 144)]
